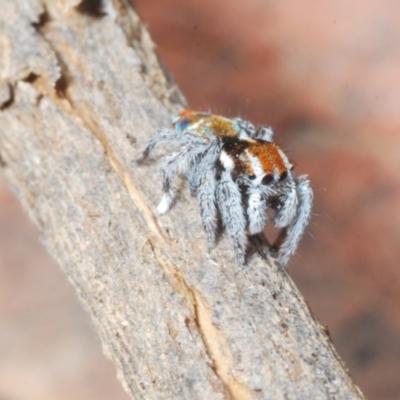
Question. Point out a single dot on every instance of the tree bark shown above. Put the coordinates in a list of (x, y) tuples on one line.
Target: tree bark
[(81, 90)]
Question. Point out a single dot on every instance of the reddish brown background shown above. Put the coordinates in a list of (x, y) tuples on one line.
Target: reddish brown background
[(326, 76)]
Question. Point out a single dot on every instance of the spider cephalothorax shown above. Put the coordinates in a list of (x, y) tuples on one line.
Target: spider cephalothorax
[(236, 172)]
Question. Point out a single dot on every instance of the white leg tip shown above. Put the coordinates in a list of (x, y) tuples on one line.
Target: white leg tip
[(165, 204)]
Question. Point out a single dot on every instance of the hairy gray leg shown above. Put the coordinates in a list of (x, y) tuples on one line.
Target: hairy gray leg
[(256, 211), (208, 208), (264, 133), (204, 163), (203, 183), (230, 205), (176, 163), (289, 203), (171, 136), (293, 233)]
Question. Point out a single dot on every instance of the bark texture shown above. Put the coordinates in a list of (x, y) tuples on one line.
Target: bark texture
[(81, 90)]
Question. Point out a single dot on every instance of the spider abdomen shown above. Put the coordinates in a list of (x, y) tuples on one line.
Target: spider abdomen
[(254, 159)]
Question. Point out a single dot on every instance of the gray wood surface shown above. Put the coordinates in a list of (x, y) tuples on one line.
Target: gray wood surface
[(81, 90)]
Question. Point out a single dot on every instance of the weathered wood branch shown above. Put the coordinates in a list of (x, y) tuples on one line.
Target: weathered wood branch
[(81, 90)]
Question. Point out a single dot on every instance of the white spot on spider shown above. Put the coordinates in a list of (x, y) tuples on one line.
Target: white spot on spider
[(226, 161), (285, 159), (256, 166), (165, 204)]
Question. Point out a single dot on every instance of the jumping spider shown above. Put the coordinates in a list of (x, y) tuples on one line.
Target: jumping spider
[(236, 172)]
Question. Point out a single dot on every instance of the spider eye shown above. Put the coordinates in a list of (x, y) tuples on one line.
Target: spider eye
[(283, 176), (268, 179)]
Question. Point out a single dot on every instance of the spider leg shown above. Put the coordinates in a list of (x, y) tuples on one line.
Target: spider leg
[(229, 200), (171, 136), (289, 203), (159, 136), (203, 183), (256, 210), (289, 239), (176, 163), (205, 160), (208, 209), (261, 244), (264, 133)]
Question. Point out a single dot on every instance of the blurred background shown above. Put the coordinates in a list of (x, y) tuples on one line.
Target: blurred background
[(326, 77)]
